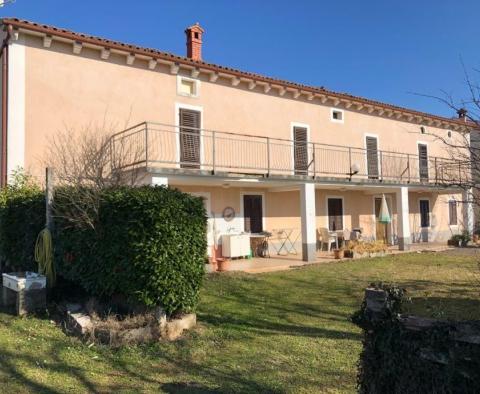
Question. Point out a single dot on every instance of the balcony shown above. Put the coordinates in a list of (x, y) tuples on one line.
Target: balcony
[(163, 148)]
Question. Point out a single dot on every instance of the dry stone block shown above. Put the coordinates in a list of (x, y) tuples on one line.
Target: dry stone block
[(174, 328)]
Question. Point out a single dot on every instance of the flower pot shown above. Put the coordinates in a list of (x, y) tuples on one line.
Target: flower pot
[(338, 254), (223, 265)]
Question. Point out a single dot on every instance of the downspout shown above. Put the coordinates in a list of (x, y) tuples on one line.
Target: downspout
[(4, 55)]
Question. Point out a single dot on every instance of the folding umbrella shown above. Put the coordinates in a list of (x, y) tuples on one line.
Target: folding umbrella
[(384, 215)]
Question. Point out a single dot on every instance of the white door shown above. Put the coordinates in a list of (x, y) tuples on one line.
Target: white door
[(207, 204)]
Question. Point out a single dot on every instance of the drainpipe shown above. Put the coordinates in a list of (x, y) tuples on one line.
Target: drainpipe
[(4, 55)]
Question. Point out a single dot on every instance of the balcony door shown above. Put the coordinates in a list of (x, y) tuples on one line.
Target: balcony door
[(423, 162), (300, 150), (189, 122), (371, 144)]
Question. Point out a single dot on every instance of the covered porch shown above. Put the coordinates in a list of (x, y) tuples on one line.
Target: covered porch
[(420, 214)]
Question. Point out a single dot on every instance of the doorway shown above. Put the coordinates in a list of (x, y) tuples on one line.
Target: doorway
[(424, 219), (206, 197), (253, 212)]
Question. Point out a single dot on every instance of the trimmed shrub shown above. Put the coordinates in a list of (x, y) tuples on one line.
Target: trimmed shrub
[(147, 244), (22, 217)]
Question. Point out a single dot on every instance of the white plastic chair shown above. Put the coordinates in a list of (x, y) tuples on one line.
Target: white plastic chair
[(327, 238)]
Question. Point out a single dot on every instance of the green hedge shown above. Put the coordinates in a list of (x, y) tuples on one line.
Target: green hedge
[(147, 244), (22, 217), (398, 359)]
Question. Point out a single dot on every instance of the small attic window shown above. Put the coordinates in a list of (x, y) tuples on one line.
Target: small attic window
[(187, 86), (449, 134), (422, 129), (337, 115)]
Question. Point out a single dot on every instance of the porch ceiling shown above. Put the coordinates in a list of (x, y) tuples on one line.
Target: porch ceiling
[(276, 185)]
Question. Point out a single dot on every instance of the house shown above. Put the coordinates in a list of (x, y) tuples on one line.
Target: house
[(266, 154)]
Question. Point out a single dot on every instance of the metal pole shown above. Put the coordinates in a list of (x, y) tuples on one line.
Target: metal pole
[(381, 166), (49, 183), (268, 156), (213, 152), (408, 167), (146, 145), (314, 162), (350, 160)]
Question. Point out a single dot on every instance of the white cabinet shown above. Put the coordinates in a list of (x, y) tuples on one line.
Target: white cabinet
[(235, 245)]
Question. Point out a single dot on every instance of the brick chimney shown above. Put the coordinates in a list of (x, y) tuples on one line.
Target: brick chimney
[(462, 114), (194, 41)]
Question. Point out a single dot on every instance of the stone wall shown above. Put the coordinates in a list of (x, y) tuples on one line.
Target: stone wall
[(403, 353)]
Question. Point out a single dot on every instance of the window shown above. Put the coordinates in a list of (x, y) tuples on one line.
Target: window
[(424, 213), (372, 157), (187, 86), (335, 214), (189, 122), (449, 134), (422, 129), (452, 212), (300, 150), (423, 162), (337, 115)]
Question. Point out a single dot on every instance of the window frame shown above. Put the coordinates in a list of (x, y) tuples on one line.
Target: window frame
[(293, 125), (196, 86), (429, 212), (341, 111), (452, 200)]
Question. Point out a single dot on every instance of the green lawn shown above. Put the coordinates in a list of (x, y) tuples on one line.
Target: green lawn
[(277, 332)]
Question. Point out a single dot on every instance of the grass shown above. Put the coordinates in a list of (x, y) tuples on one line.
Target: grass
[(277, 332)]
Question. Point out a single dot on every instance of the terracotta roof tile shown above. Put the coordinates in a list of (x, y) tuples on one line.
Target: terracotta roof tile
[(82, 37)]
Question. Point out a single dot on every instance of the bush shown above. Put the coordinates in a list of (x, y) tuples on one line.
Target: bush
[(147, 244), (22, 217), (422, 356)]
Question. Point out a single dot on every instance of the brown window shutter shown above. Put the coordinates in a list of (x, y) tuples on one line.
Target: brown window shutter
[(452, 207), (189, 138), (423, 161), (372, 157), (300, 144)]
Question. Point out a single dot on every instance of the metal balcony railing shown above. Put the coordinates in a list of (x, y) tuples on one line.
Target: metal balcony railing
[(162, 146)]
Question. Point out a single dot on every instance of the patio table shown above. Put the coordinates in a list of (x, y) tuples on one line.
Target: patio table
[(287, 238)]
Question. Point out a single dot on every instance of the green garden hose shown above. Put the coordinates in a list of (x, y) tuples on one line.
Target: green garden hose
[(44, 256)]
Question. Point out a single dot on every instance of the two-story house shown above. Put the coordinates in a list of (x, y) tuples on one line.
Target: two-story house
[(264, 153)]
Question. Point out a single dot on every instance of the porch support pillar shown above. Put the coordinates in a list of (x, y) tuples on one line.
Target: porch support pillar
[(308, 218), (403, 220), (468, 214)]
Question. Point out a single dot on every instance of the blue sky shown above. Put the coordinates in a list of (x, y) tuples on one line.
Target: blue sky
[(383, 50)]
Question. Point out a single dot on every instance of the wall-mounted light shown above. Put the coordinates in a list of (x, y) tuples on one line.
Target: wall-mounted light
[(354, 170)]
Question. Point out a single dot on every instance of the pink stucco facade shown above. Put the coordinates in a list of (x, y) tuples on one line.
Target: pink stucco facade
[(65, 90)]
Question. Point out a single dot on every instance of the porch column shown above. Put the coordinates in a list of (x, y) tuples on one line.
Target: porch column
[(468, 214), (308, 217), (403, 219)]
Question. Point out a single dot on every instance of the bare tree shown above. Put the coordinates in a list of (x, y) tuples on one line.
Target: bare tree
[(88, 160), (462, 168)]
